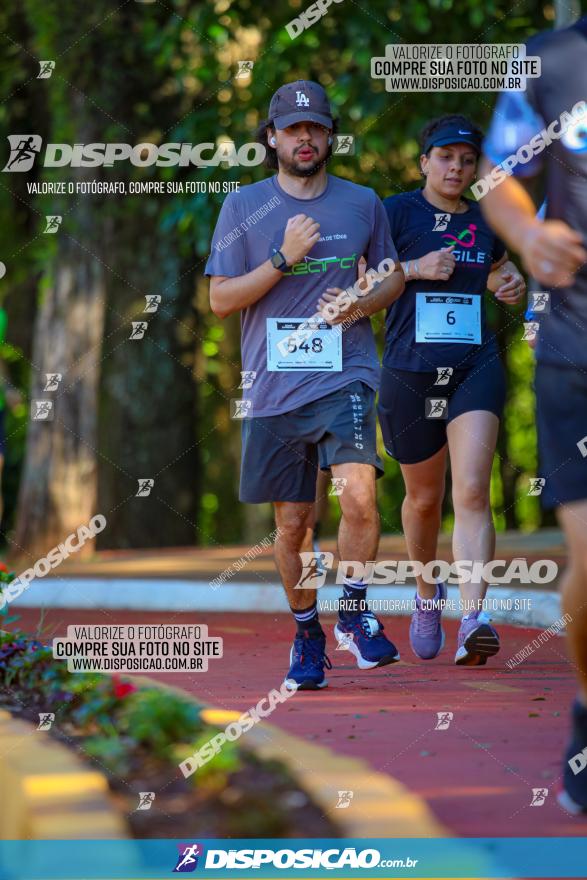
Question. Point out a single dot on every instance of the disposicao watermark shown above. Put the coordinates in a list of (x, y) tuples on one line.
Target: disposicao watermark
[(526, 152), (308, 17), (247, 223), (54, 557), (240, 563), (24, 149), (540, 640), (388, 571), (455, 67), (236, 729), (289, 344)]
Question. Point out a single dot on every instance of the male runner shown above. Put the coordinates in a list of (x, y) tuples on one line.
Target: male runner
[(554, 252), (283, 248)]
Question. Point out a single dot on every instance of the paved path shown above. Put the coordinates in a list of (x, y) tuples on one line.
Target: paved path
[(506, 736)]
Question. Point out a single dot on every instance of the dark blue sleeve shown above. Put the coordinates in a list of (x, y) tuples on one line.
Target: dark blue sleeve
[(393, 209), (381, 244)]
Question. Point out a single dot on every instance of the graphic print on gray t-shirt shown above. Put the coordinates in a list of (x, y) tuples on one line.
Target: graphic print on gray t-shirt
[(353, 224)]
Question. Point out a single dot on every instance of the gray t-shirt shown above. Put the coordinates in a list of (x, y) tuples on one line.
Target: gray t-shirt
[(250, 230)]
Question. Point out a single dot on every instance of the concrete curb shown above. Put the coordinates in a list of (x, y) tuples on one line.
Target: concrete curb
[(381, 806), (541, 608), (48, 792)]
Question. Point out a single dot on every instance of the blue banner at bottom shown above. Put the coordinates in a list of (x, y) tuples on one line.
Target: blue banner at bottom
[(413, 858)]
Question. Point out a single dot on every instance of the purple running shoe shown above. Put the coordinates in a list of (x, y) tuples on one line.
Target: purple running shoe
[(477, 640), (426, 633)]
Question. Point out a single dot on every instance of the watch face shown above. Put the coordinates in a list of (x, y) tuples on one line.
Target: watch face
[(279, 260)]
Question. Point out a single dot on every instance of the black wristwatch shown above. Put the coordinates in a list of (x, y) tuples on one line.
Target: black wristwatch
[(279, 261)]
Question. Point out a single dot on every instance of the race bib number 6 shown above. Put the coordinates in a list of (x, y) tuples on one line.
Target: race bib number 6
[(451, 317), (291, 346)]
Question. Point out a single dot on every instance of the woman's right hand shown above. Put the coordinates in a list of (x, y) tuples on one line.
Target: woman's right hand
[(437, 265)]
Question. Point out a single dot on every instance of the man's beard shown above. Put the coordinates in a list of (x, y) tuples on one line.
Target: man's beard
[(292, 167)]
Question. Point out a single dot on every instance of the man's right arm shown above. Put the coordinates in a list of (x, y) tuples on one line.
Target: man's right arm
[(232, 294), (228, 295)]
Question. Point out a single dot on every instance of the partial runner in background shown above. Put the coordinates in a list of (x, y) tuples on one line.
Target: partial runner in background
[(552, 112)]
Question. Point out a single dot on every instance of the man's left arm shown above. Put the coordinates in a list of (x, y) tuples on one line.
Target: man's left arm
[(365, 298)]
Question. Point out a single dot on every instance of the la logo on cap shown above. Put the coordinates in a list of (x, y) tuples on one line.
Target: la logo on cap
[(302, 100)]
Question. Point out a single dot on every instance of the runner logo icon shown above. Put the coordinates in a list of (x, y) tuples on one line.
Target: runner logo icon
[(146, 799), (436, 408), (444, 374), (539, 795), (337, 485), (444, 719), (46, 720), (344, 144), (344, 800), (314, 570), (187, 861), (24, 149), (540, 301), (536, 485), (441, 222), (344, 642), (53, 380), (530, 330)]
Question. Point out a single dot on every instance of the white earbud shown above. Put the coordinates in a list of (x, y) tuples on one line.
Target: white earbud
[(272, 142), (329, 141)]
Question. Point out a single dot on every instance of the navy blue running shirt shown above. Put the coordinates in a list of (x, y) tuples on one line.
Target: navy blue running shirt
[(418, 227), (518, 117)]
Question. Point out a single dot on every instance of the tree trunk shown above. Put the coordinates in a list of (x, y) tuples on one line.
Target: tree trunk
[(59, 481), (148, 414)]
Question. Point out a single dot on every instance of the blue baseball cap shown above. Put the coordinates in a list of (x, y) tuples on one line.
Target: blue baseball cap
[(300, 101), (452, 133)]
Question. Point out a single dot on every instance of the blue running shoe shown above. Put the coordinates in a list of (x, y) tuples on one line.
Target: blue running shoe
[(426, 633), (362, 635), (573, 797), (307, 661)]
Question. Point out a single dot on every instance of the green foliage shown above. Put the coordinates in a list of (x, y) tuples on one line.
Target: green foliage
[(111, 752), (95, 705), (157, 720), (214, 772), (117, 719)]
